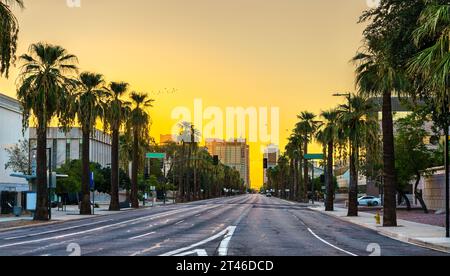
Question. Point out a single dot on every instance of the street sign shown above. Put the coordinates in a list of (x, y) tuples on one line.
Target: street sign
[(155, 155), (91, 181), (315, 156)]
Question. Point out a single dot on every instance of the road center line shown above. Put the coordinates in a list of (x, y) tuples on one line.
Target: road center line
[(223, 248), (141, 236), (216, 236), (329, 244)]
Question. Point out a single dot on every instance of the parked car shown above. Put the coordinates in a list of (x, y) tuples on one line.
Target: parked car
[(369, 201)]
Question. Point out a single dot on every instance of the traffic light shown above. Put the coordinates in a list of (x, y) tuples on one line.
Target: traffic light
[(265, 163), (216, 160)]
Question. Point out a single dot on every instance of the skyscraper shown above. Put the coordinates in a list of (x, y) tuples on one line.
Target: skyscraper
[(235, 154)]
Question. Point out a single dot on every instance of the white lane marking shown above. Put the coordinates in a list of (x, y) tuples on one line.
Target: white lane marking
[(141, 236), (216, 236), (100, 228), (180, 222), (56, 230), (223, 248), (329, 244), (198, 252)]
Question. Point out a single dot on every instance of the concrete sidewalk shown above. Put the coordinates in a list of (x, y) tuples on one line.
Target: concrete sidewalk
[(429, 236)]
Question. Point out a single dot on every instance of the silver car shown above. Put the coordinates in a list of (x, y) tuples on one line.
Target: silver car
[(369, 201)]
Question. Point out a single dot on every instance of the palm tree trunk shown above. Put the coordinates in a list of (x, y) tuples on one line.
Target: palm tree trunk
[(390, 205), (41, 174), (85, 208), (353, 186), (330, 179), (114, 204), (134, 172), (305, 174)]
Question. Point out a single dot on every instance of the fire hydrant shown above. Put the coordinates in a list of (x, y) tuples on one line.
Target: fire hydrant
[(378, 218)]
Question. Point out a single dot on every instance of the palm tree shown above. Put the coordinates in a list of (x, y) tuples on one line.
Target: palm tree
[(9, 27), (376, 77), (329, 134), (306, 128), (361, 129), (88, 107), (294, 153), (138, 124), (43, 90), (117, 111), (432, 65)]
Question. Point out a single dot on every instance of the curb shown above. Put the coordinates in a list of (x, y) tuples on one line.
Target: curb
[(394, 236)]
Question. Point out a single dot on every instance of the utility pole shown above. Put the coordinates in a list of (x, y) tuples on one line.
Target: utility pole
[(447, 169)]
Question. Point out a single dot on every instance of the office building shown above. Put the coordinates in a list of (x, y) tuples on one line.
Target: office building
[(68, 146), (235, 154)]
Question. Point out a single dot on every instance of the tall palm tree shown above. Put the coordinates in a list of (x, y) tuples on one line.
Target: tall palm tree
[(329, 137), (9, 32), (362, 129), (138, 125), (306, 128), (376, 77), (115, 117), (44, 88), (89, 107), (294, 152), (432, 65)]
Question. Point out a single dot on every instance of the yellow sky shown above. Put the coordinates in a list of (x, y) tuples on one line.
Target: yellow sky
[(291, 54)]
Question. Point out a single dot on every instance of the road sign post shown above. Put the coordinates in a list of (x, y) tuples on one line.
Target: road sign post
[(92, 188)]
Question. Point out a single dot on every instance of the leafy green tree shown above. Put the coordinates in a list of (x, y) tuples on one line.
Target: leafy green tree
[(105, 187), (73, 183), (19, 160), (9, 33), (44, 87), (413, 156)]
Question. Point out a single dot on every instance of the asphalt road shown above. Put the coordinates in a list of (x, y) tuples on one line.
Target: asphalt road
[(248, 225)]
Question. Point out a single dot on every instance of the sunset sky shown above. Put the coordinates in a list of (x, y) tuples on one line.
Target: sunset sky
[(291, 54)]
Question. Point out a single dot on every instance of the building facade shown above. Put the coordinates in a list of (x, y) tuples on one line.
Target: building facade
[(271, 154), (10, 135), (68, 146), (235, 154)]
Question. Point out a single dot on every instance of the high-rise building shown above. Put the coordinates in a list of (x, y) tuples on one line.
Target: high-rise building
[(271, 154), (235, 154)]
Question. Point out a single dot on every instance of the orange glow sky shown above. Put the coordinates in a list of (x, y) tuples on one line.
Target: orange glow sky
[(292, 54)]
